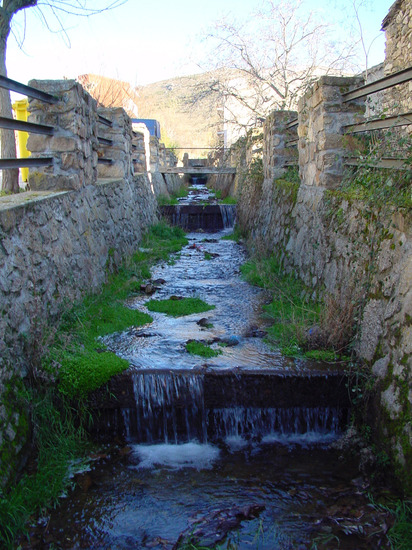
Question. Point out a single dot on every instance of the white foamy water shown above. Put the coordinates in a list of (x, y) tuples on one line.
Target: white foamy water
[(235, 442), (187, 455)]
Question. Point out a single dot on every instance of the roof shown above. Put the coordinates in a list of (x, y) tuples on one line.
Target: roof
[(110, 92)]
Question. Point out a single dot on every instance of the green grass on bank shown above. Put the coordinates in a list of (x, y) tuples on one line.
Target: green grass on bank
[(164, 200), (217, 194), (59, 440), (179, 307), (236, 235), (291, 315), (400, 534), (299, 325), (78, 358)]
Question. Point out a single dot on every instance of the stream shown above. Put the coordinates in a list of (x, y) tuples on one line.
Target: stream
[(238, 451)]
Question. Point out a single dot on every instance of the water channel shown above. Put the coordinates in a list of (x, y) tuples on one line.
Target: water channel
[(235, 451)]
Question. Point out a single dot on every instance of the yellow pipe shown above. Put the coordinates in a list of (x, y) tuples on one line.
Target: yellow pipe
[(21, 109)]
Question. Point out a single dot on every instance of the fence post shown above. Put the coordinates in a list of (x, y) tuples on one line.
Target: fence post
[(73, 146), (322, 114)]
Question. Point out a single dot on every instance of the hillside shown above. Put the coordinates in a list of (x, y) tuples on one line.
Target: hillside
[(186, 108)]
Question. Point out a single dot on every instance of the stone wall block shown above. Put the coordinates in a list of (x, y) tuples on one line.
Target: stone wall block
[(74, 118), (63, 144), (322, 114), (39, 181), (37, 143)]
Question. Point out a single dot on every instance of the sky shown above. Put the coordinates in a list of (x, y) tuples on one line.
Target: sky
[(146, 41)]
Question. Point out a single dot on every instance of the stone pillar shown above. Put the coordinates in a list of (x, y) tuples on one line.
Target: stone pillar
[(142, 152), (276, 150), (120, 152), (73, 146), (322, 114), (162, 154), (171, 159), (154, 154), (138, 152)]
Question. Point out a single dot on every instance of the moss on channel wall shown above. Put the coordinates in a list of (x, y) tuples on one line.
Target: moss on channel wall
[(355, 250)]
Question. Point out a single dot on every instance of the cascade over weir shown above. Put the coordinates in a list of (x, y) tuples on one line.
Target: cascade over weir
[(232, 451), (248, 389)]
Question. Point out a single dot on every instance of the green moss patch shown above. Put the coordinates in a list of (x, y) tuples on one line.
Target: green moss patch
[(289, 187), (179, 308), (164, 200), (203, 350), (228, 200)]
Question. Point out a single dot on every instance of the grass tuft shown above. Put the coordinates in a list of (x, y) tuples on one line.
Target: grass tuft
[(164, 200), (179, 308), (301, 326), (203, 350)]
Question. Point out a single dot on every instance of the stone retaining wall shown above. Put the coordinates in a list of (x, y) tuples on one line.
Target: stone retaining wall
[(54, 247), (345, 248), (79, 158), (352, 252), (80, 220)]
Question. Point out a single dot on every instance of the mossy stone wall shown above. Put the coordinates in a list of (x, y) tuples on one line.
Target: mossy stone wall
[(356, 252), (53, 248)]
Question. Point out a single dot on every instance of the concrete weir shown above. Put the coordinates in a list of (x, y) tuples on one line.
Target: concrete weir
[(161, 405), (191, 217)]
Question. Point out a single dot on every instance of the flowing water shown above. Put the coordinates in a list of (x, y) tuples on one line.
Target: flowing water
[(230, 452)]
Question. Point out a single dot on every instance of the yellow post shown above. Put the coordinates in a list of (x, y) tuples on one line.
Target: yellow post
[(20, 107)]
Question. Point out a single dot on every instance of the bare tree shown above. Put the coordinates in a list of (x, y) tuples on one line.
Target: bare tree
[(267, 62), (48, 10)]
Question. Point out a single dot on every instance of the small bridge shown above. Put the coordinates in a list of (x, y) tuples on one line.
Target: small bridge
[(196, 170)]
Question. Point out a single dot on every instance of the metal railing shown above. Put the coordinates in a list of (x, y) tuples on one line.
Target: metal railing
[(12, 124), (30, 127), (379, 123), (292, 144)]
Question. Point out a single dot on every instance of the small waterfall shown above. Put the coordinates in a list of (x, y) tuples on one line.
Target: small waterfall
[(259, 423), (228, 213), (170, 408), (180, 216)]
